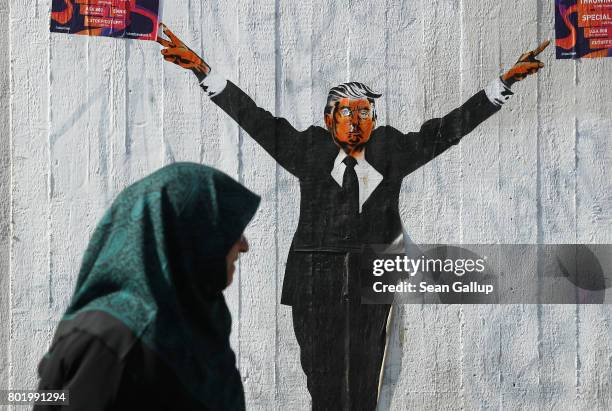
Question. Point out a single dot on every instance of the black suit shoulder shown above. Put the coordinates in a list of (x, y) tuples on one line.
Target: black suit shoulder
[(287, 145), (401, 153)]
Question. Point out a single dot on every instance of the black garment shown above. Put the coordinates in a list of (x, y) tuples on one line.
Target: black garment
[(341, 351), (322, 290), (110, 369), (341, 343), (309, 155)]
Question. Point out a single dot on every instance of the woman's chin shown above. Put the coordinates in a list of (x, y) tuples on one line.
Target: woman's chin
[(230, 274)]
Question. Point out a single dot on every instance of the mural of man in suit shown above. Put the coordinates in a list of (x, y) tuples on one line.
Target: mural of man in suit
[(350, 176)]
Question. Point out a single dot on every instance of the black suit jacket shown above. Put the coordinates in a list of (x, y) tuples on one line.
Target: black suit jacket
[(309, 155)]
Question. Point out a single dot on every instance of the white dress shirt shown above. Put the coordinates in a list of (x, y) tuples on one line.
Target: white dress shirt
[(367, 176)]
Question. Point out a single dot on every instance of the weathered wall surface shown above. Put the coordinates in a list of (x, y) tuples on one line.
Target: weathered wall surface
[(5, 201), (88, 116)]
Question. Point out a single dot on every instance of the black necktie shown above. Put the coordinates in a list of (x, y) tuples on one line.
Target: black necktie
[(350, 187)]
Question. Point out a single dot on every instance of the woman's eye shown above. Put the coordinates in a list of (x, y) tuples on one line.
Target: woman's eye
[(345, 112), (364, 114)]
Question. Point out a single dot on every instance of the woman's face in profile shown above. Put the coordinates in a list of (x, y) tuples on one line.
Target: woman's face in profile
[(241, 246)]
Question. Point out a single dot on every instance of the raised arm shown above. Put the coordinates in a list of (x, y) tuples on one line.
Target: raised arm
[(276, 135), (438, 134)]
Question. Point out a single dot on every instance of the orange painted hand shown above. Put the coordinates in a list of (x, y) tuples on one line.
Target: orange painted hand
[(527, 64), (177, 52)]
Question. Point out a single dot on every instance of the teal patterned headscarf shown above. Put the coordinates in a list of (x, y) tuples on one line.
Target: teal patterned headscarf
[(156, 261)]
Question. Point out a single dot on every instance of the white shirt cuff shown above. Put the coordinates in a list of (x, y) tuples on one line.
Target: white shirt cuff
[(497, 92), (213, 84)]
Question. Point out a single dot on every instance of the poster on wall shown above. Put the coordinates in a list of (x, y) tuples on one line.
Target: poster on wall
[(583, 28), (131, 19)]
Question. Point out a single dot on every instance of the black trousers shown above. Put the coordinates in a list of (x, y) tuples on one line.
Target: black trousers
[(341, 341)]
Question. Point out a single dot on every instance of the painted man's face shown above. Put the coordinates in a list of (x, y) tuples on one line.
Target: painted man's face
[(351, 123)]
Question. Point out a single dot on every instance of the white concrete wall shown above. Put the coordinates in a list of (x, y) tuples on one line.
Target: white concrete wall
[(88, 116), (5, 197)]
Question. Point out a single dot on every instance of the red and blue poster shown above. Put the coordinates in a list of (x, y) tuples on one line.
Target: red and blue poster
[(132, 19), (583, 28)]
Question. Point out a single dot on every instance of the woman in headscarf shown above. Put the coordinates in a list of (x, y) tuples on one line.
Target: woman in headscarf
[(147, 327)]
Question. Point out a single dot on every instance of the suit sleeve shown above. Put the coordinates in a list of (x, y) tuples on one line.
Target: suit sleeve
[(86, 367), (276, 135), (412, 150)]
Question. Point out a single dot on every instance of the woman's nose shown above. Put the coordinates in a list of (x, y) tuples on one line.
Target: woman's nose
[(244, 244)]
